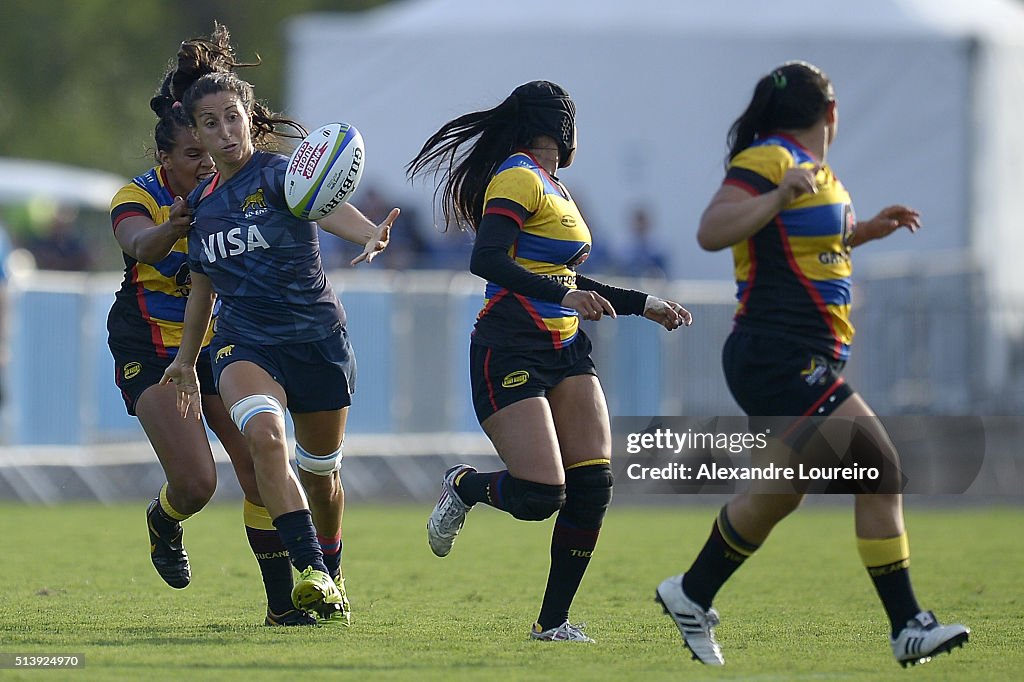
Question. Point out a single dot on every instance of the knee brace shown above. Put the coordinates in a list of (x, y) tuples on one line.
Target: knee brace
[(588, 492), (250, 406), (531, 501), (321, 465)]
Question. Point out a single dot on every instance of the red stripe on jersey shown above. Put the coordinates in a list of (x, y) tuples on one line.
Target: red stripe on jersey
[(497, 210), (792, 140), (812, 291), (490, 304), (752, 256), (745, 186), (556, 338), (166, 182), (544, 172), (154, 329), (212, 186), (129, 214), (487, 377)]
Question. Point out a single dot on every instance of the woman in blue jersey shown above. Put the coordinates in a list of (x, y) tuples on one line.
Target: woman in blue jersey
[(281, 341), (791, 226), (535, 387), (150, 221)]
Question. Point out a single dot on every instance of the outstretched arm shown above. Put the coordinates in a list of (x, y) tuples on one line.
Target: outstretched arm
[(888, 220), (668, 314), (350, 224)]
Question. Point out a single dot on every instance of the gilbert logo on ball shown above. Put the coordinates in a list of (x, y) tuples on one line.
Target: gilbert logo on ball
[(324, 171)]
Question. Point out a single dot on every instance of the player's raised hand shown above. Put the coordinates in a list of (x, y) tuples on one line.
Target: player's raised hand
[(668, 314), (589, 304), (379, 240), (186, 380), (890, 219)]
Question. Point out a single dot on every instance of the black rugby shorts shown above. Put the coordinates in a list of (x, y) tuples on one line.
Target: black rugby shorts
[(500, 377), (137, 370)]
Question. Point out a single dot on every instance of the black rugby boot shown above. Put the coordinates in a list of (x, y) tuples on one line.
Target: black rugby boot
[(166, 551)]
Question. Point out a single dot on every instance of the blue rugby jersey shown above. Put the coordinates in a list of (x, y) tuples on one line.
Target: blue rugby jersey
[(793, 275), (553, 239), (263, 262)]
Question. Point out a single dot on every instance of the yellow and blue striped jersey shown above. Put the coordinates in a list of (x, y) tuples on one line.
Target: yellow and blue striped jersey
[(793, 275), (149, 309), (553, 239)]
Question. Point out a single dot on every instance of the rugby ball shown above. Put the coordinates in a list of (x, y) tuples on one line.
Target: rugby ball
[(324, 171)]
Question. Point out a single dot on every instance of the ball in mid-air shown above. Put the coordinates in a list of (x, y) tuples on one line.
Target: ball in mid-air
[(324, 170)]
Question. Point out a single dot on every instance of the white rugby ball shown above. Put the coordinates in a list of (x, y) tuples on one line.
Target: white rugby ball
[(324, 171)]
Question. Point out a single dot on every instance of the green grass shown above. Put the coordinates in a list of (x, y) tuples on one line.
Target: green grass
[(77, 579)]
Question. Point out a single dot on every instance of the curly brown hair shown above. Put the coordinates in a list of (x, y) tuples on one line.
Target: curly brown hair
[(205, 66)]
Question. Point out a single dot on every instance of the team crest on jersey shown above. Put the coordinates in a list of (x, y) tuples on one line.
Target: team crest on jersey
[(224, 352), (849, 221), (568, 221), (255, 204), (579, 257)]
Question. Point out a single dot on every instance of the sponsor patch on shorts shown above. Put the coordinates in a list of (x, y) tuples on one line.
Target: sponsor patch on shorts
[(131, 370), (517, 378)]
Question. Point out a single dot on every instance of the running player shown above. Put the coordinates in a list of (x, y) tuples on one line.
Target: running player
[(535, 388), (281, 341), (150, 220), (791, 227)]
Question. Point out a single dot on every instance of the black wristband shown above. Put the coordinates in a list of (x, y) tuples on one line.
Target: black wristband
[(625, 301)]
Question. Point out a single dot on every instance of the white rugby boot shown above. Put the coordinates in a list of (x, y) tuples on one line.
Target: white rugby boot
[(923, 637), (448, 515), (696, 625), (566, 632)]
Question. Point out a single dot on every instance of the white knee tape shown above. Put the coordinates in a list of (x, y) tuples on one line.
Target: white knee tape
[(321, 465), (247, 408)]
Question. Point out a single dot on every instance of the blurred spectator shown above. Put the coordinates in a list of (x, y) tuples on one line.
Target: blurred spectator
[(408, 249), (451, 250), (642, 257), (602, 258), (59, 246), (412, 246)]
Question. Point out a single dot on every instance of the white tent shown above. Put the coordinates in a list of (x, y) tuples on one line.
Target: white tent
[(930, 96), (23, 180)]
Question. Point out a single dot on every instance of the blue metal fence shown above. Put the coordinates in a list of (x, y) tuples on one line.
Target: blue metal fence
[(411, 335)]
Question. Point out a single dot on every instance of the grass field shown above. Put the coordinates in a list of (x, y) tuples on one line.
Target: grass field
[(77, 579)]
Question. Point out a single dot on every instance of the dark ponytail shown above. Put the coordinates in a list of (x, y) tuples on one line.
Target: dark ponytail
[(200, 56), (792, 97), (499, 132), (171, 118)]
